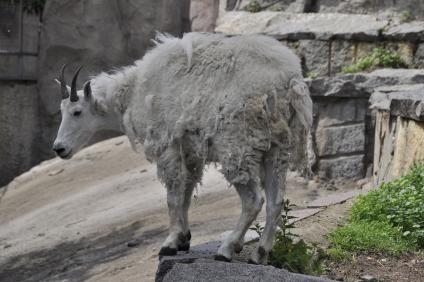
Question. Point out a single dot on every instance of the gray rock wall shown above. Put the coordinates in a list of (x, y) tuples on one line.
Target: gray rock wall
[(203, 15), (19, 128)]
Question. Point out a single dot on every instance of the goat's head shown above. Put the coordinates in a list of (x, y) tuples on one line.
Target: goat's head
[(82, 116)]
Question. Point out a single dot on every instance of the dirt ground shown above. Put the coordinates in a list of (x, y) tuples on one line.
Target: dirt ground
[(383, 268), (102, 216)]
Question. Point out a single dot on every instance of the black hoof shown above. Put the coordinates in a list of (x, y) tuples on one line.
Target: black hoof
[(184, 241), (238, 248), (184, 247), (222, 258), (167, 251)]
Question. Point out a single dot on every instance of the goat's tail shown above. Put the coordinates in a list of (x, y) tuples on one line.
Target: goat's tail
[(301, 101)]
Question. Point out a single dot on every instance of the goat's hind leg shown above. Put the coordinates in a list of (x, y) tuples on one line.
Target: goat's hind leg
[(251, 204), (274, 176)]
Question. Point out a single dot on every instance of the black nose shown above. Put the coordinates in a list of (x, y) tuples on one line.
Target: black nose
[(59, 150)]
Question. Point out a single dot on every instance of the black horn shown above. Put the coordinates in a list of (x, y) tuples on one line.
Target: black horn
[(74, 95), (63, 87)]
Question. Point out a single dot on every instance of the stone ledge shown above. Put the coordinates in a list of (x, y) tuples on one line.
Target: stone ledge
[(400, 100), (362, 85), (319, 26), (202, 269), (291, 26)]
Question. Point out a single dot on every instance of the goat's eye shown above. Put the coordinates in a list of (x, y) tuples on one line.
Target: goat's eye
[(77, 113)]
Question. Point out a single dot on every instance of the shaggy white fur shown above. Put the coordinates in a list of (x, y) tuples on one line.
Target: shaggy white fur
[(239, 101)]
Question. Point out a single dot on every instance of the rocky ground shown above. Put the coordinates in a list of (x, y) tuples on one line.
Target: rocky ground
[(102, 216)]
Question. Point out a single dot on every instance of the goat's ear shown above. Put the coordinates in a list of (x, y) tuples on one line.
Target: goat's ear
[(100, 107), (87, 90)]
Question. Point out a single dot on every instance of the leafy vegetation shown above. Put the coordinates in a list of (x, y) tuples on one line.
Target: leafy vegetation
[(312, 75), (400, 202), (370, 237), (406, 17), (253, 7), (388, 220), (286, 253), (379, 58)]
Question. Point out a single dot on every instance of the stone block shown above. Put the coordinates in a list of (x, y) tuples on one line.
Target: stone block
[(171, 270), (363, 49), (342, 55), (419, 56), (339, 111), (337, 140), (342, 167), (314, 55), (405, 50)]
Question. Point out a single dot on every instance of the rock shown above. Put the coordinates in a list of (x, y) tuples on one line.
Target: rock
[(339, 112), (399, 130), (368, 278), (314, 55), (342, 167), (419, 56), (333, 199), (174, 269), (411, 94), (203, 15), (343, 139), (385, 8), (302, 26), (19, 128), (56, 171), (101, 35)]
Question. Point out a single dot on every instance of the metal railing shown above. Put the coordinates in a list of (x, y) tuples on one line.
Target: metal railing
[(19, 42)]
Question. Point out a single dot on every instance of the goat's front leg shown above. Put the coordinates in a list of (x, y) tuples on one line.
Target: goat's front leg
[(178, 181)]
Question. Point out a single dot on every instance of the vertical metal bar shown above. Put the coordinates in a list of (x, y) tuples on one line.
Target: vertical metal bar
[(21, 40)]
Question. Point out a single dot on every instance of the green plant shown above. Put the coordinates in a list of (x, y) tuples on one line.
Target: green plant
[(294, 256), (312, 75), (258, 229), (406, 16), (372, 237), (379, 58), (253, 7), (400, 202)]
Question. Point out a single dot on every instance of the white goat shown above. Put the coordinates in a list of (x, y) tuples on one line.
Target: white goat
[(238, 101)]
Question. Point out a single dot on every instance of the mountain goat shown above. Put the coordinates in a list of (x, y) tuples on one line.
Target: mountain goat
[(206, 98)]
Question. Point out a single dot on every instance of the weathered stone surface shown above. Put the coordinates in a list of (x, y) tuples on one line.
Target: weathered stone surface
[(341, 55), (314, 55), (19, 128), (342, 167), (340, 139), (211, 270), (334, 199), (399, 143), (419, 56), (101, 35), (384, 8), (340, 111), (203, 15), (412, 31), (302, 26), (341, 86), (382, 98), (404, 49)]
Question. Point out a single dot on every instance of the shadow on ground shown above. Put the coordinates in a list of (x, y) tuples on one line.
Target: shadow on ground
[(72, 261)]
